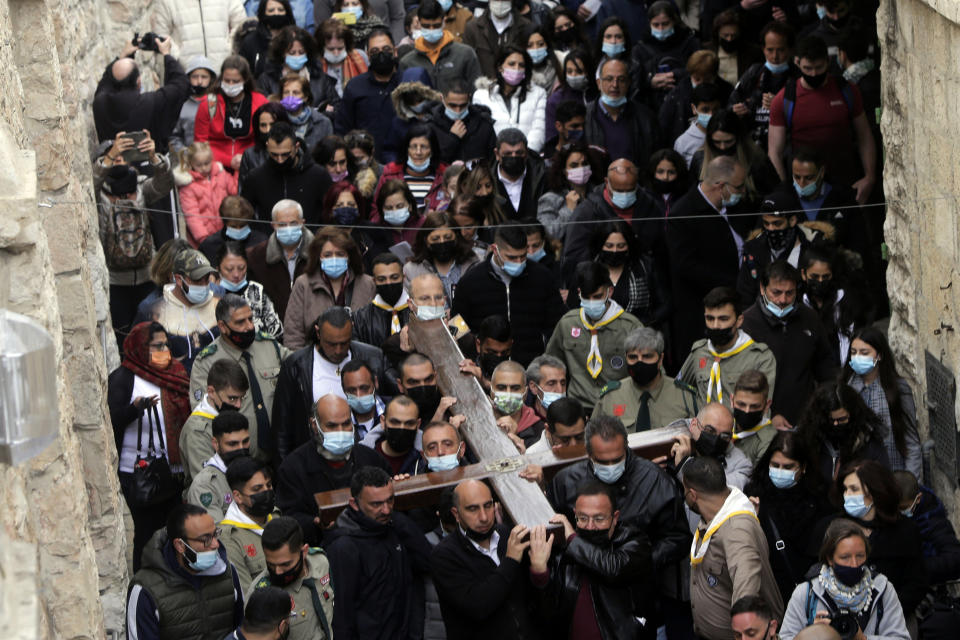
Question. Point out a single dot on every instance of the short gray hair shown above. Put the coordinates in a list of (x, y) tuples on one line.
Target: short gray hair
[(721, 169), (643, 339), (607, 427), (283, 205), (533, 369), (229, 303), (509, 366)]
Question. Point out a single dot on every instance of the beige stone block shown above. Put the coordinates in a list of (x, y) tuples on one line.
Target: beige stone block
[(75, 310)]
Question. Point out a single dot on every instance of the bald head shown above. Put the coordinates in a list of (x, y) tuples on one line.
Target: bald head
[(333, 412), (427, 291), (717, 416), (471, 492), (724, 169), (124, 71), (818, 632), (622, 175)]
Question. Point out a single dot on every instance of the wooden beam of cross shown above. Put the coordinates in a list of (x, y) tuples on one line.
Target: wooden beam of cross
[(423, 491)]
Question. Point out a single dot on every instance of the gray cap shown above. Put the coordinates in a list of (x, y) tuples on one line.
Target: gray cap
[(201, 62)]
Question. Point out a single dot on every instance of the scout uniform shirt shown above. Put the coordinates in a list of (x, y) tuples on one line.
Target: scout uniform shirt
[(754, 442), (312, 616), (592, 351), (196, 439), (241, 539), (266, 354), (669, 400), (715, 374), (210, 490)]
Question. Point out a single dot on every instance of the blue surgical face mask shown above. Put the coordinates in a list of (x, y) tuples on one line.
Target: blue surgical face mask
[(609, 473), (513, 269), (733, 200), (455, 115), (549, 397), (613, 102), (237, 234), (423, 166), (805, 191), (445, 5), (777, 68), (862, 365), (295, 62), (197, 293), (357, 11), (610, 49), (334, 267), (703, 119), (338, 442), (537, 255), (821, 12), (594, 309), (205, 559), (433, 36), (361, 404), (397, 217), (782, 478), (233, 288), (776, 310), (537, 55), (443, 463), (623, 199), (855, 506), (661, 34), (289, 236), (430, 312)]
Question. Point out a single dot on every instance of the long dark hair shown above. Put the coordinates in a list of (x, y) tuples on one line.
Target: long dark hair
[(521, 89), (602, 231), (627, 41), (419, 130), (437, 220), (674, 158), (287, 36), (889, 381), (791, 445), (551, 59), (557, 174), (877, 481), (816, 424), (551, 27)]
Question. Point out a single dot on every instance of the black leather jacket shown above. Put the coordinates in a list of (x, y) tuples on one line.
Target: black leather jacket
[(293, 400), (620, 583)]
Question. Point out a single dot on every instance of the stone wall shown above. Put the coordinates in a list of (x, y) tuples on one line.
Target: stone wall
[(921, 94), (63, 525)]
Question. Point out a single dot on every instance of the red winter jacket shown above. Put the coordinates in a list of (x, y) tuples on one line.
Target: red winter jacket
[(211, 131), (395, 171)]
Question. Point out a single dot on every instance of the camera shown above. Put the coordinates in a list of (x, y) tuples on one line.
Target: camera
[(845, 624), (148, 42)]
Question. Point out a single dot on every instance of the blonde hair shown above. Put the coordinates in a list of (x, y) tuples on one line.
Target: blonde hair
[(189, 154), (703, 63)]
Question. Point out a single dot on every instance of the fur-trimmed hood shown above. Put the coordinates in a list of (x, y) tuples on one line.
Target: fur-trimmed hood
[(410, 93), (248, 26)]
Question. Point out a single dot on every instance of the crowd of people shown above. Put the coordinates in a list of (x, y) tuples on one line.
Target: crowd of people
[(630, 216)]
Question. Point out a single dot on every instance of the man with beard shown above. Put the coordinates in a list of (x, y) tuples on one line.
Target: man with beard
[(328, 461), (389, 311), (374, 553), (303, 573), (398, 440), (418, 380), (494, 345), (260, 356), (592, 588), (729, 558), (479, 571), (290, 173)]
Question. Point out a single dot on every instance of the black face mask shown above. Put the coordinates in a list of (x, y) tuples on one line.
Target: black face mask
[(850, 576), (382, 63), (838, 23), (663, 186), (230, 456), (643, 372), (476, 536), (717, 151), (822, 289), (400, 440), (710, 445), (489, 361), (720, 337), (484, 201), (565, 37), (443, 251), (780, 239), (285, 578), (390, 292), (815, 81), (242, 339), (747, 419), (287, 165), (262, 503), (427, 398), (224, 408), (277, 21), (197, 90), (614, 258), (729, 46), (513, 165), (596, 537)]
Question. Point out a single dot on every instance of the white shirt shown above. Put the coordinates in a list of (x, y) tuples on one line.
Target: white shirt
[(514, 189), (128, 452), (540, 446), (501, 24), (492, 551), (326, 376)]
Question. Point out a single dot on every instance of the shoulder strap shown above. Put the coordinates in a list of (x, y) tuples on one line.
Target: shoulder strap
[(847, 93), (811, 604), (779, 544)]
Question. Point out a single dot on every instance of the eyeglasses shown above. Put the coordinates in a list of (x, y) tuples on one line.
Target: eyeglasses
[(840, 421), (583, 520), (711, 429), (206, 540)]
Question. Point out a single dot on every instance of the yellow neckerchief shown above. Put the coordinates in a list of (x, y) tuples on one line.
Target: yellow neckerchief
[(746, 433), (380, 303), (251, 526), (203, 414), (594, 361), (743, 341), (736, 504)]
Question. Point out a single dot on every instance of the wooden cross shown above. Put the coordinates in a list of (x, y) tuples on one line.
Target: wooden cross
[(522, 500)]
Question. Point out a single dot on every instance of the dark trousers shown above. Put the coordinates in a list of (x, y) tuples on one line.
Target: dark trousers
[(146, 520)]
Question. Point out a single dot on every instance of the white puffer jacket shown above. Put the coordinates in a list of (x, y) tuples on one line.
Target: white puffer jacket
[(199, 27), (528, 116)]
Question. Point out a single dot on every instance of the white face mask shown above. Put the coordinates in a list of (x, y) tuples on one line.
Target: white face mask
[(427, 312), (500, 8), (231, 89)]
